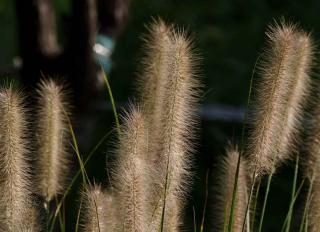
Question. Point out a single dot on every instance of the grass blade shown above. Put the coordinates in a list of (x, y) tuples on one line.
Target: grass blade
[(294, 185)]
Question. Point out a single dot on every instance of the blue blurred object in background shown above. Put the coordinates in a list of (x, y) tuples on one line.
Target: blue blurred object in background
[(103, 50)]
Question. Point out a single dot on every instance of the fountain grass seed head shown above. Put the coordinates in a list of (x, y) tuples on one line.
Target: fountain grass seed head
[(52, 137), (16, 205), (130, 174), (280, 95)]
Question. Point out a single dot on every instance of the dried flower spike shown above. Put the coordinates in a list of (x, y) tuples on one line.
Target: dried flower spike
[(130, 183), (15, 195), (175, 146), (52, 138), (282, 91)]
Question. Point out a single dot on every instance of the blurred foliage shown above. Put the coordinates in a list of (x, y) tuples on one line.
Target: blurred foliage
[(8, 39)]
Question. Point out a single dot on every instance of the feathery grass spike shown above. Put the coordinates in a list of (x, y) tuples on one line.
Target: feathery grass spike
[(156, 63), (98, 210), (281, 94), (154, 82), (15, 195), (177, 133), (52, 137), (300, 91), (131, 173)]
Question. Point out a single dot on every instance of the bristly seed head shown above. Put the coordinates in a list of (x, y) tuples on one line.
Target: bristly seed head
[(281, 95), (16, 206), (52, 137)]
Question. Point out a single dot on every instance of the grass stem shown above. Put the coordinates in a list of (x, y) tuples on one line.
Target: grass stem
[(265, 200), (294, 185)]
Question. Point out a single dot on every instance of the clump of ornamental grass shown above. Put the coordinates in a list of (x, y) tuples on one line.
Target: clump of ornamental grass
[(130, 174), (281, 94), (17, 211), (222, 192), (98, 208), (52, 138)]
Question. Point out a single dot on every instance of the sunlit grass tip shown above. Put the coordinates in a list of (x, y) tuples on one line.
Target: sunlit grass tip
[(280, 96), (130, 174), (52, 136)]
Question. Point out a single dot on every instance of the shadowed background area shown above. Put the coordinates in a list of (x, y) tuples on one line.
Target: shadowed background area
[(228, 35)]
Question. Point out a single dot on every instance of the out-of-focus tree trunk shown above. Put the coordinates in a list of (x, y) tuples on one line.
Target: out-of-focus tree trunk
[(38, 45), (80, 50), (42, 55)]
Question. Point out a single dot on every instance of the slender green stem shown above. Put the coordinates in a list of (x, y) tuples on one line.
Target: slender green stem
[(205, 203), (114, 108), (249, 200), (78, 215), (294, 185), (265, 200), (226, 216), (194, 219), (61, 218), (234, 193), (231, 215), (255, 204), (291, 206), (76, 149), (306, 224), (306, 207)]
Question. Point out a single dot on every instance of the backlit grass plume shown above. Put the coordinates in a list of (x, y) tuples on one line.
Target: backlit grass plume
[(153, 81), (280, 96), (98, 210), (15, 195), (52, 138), (222, 192), (178, 118), (300, 91), (131, 173)]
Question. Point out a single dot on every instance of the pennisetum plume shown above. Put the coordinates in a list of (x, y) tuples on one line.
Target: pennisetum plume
[(156, 63), (175, 144), (131, 173), (16, 206), (98, 210), (223, 190), (300, 91), (281, 94), (153, 82), (52, 137)]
